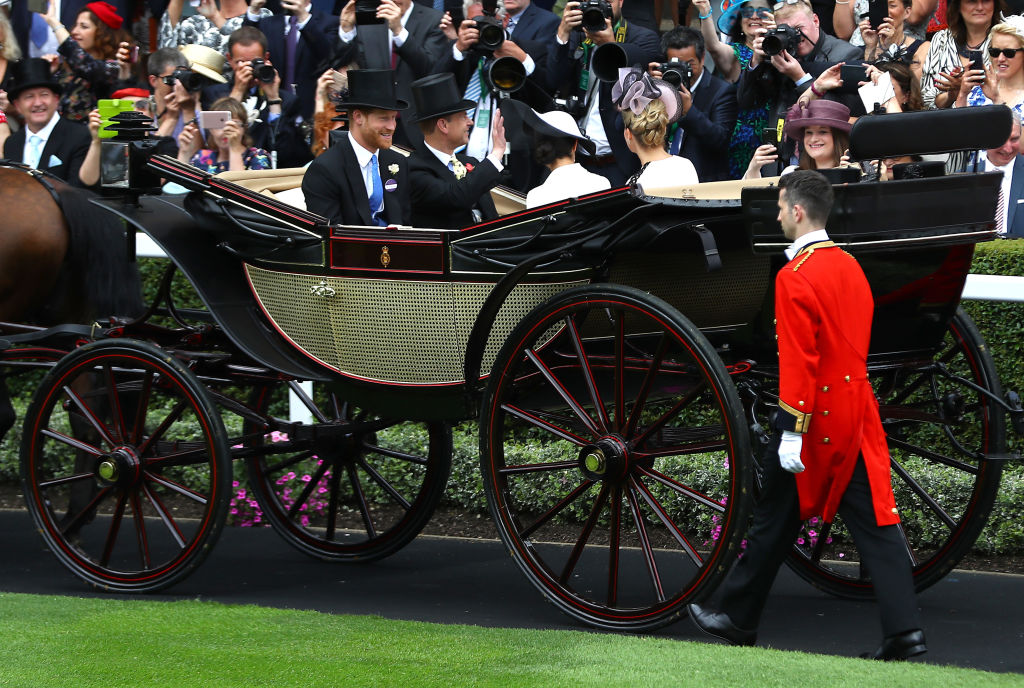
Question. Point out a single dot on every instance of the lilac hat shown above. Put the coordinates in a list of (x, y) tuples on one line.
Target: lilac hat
[(635, 89)]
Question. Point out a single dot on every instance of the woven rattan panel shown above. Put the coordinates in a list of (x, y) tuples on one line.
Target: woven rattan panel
[(730, 296), (389, 330)]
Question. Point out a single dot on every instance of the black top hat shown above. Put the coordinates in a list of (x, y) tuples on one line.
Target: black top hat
[(33, 72), (437, 95), (372, 88)]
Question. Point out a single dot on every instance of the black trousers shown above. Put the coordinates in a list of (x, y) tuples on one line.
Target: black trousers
[(776, 524)]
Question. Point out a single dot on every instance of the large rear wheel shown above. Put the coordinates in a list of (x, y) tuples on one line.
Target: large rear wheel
[(937, 427), (615, 457)]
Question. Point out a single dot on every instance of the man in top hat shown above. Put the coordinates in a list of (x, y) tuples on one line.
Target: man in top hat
[(832, 455), (47, 141), (450, 190), (358, 180)]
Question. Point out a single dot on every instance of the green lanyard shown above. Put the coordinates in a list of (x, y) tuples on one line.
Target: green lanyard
[(588, 45)]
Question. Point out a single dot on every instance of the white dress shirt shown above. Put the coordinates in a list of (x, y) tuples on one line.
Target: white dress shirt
[(364, 157), (809, 238), (567, 181), (43, 134), (446, 158), (1004, 188)]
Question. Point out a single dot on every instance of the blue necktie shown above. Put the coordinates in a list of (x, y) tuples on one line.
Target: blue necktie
[(376, 194), (39, 31), (439, 5), (35, 151), (291, 45)]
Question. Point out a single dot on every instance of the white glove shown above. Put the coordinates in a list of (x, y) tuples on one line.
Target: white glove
[(789, 451)]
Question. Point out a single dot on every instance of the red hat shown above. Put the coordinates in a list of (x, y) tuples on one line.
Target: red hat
[(131, 93), (106, 13)]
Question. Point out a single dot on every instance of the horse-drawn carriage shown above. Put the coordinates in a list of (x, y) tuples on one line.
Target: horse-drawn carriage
[(617, 349)]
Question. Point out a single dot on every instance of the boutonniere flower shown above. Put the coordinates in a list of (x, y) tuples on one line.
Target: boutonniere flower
[(469, 167), (393, 169)]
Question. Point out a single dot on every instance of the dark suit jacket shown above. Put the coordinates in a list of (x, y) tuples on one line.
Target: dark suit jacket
[(535, 32), (439, 200), (1015, 203), (311, 54), (708, 126), (333, 186), (563, 74), (416, 58), (282, 135), (69, 142)]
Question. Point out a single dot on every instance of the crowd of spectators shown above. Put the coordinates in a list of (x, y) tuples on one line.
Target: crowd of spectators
[(740, 90)]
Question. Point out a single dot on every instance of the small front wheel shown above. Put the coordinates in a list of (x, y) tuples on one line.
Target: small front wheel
[(125, 466), (615, 457)]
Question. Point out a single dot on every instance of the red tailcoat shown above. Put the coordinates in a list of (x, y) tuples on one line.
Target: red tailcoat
[(823, 310)]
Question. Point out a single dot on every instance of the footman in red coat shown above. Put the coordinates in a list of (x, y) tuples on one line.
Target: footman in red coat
[(832, 455)]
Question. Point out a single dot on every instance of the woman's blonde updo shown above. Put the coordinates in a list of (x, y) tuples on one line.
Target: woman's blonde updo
[(650, 126)]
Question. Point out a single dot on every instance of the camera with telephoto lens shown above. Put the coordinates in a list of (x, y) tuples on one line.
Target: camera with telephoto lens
[(676, 72), (573, 105), (782, 37), (190, 81), (595, 12), (492, 33), (262, 71)]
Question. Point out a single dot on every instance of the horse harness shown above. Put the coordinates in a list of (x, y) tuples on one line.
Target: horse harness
[(41, 176)]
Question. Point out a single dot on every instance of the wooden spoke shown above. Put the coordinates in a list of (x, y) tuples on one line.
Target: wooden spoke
[(581, 542), (588, 375), (645, 541), (115, 525), (561, 390), (645, 387), (556, 509), (91, 417)]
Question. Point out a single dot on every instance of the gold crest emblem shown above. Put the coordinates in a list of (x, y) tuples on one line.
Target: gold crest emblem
[(385, 257)]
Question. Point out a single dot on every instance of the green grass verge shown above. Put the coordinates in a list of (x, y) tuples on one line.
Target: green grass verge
[(64, 641)]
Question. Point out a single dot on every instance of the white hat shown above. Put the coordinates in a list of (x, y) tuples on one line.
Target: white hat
[(556, 123)]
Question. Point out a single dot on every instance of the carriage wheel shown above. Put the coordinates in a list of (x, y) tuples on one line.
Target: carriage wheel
[(944, 497), (125, 466), (615, 457), (352, 487)]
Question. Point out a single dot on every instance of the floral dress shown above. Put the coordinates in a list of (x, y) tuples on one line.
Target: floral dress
[(253, 158), (977, 97), (198, 30), (83, 80), (746, 135)]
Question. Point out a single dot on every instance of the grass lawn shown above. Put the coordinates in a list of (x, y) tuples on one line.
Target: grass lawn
[(65, 641)]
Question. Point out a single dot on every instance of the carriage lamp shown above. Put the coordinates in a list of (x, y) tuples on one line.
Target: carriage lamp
[(123, 158)]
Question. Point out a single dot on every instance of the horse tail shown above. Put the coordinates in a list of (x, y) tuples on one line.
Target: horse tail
[(98, 252)]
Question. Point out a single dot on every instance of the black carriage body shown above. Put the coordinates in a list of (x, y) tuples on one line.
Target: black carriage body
[(387, 316)]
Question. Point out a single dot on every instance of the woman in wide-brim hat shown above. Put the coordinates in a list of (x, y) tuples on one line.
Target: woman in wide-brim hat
[(555, 138), (89, 67), (821, 128)]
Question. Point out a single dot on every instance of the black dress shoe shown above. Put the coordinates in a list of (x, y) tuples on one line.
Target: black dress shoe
[(720, 625), (899, 647)]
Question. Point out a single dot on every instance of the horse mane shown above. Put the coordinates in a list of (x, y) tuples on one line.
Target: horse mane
[(97, 260)]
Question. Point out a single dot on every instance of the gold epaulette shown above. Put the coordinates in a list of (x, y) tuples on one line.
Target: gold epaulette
[(808, 250)]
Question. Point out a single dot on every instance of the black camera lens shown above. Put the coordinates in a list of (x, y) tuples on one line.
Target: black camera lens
[(676, 73), (595, 12), (190, 81), (492, 33), (263, 72), (782, 37)]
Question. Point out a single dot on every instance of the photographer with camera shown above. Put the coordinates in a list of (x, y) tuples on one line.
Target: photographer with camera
[(708, 115), (416, 45), (274, 114), (786, 60), (585, 29), (174, 104), (299, 42)]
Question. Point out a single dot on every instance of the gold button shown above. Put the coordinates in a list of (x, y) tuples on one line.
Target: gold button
[(776, 336), (847, 378), (826, 440), (894, 510), (799, 403), (775, 321), (824, 413), (825, 388)]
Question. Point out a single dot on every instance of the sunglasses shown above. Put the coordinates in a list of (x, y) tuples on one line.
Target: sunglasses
[(759, 12), (1008, 53)]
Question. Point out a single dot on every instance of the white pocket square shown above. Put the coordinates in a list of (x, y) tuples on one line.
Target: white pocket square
[(55, 161), (1020, 200)]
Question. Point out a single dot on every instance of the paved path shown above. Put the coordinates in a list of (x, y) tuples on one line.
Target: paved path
[(971, 619)]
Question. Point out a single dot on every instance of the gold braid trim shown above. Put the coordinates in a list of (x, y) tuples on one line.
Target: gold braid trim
[(808, 250)]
